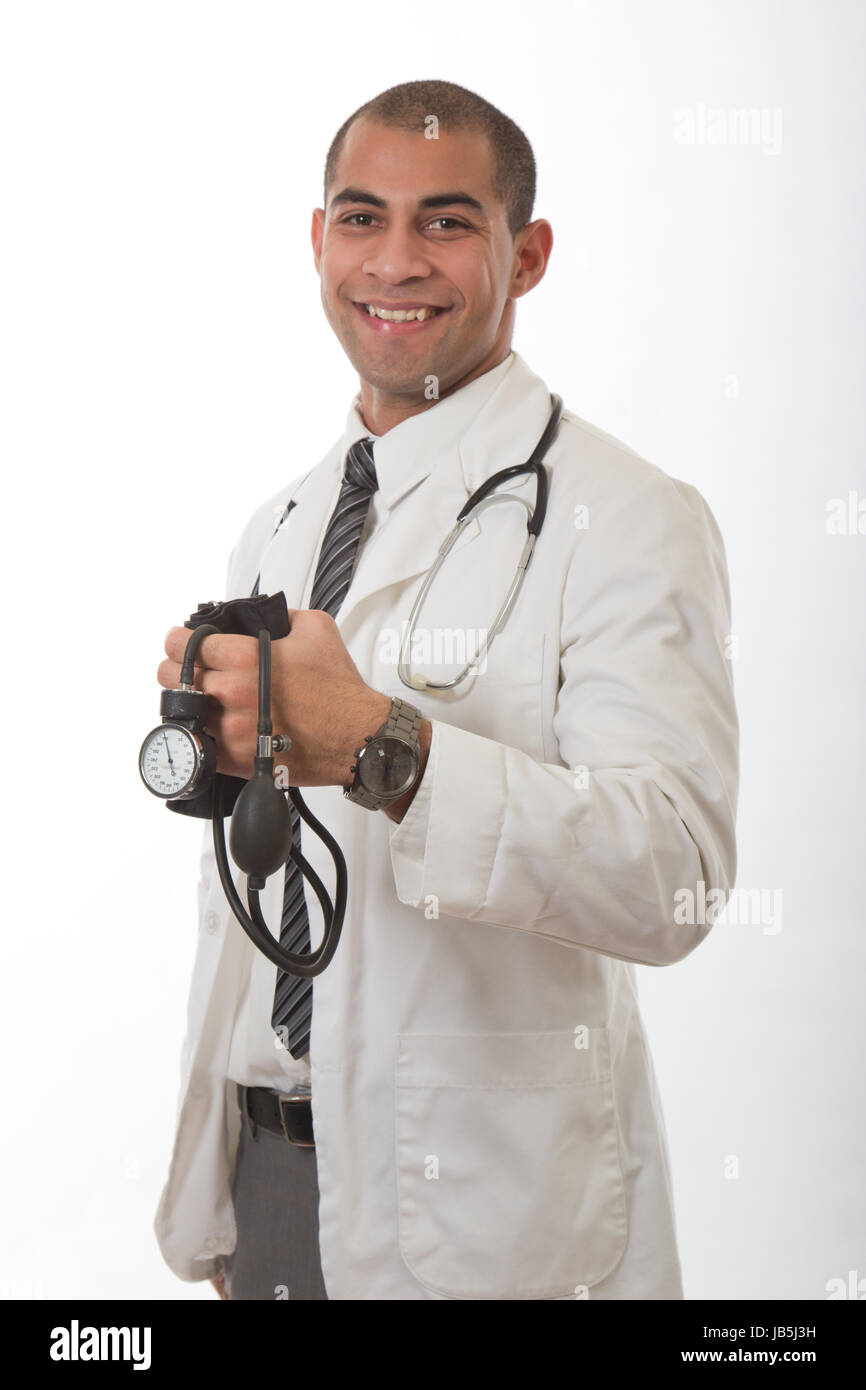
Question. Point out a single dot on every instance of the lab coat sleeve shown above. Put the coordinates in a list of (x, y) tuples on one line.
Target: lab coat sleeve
[(602, 848)]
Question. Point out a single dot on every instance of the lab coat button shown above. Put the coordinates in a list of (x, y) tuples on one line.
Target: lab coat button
[(211, 922)]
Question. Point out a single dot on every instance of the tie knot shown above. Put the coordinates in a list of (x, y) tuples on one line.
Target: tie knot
[(360, 467)]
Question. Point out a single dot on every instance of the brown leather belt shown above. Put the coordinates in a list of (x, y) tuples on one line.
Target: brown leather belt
[(291, 1117)]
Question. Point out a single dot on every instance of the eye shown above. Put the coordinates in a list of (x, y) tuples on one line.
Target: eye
[(455, 222), (344, 221)]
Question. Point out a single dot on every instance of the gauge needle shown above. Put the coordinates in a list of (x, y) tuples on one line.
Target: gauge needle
[(168, 751)]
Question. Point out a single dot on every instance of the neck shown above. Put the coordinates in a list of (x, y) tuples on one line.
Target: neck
[(381, 411)]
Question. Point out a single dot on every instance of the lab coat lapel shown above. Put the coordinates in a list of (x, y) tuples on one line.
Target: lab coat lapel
[(406, 545), (292, 551), (504, 431)]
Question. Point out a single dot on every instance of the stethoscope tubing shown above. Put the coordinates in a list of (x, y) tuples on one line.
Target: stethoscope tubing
[(534, 464)]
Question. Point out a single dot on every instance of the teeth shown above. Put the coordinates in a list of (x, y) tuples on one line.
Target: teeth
[(401, 315)]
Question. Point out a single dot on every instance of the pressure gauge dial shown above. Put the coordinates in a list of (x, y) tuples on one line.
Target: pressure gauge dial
[(174, 762)]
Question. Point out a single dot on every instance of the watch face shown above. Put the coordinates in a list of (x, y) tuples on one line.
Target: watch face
[(388, 766), (169, 760)]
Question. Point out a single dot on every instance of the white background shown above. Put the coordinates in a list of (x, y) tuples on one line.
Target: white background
[(166, 366)]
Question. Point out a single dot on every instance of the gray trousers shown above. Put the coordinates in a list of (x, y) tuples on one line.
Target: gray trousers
[(276, 1200)]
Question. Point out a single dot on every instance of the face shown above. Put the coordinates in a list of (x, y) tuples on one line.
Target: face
[(412, 225)]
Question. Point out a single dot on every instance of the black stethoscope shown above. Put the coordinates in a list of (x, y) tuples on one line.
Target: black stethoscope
[(177, 761), (535, 521)]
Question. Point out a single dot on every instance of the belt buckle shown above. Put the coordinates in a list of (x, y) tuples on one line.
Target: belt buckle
[(292, 1100)]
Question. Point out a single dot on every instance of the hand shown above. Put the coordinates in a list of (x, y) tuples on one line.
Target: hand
[(220, 1285), (318, 698)]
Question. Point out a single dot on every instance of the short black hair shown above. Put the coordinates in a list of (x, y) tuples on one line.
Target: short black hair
[(408, 106)]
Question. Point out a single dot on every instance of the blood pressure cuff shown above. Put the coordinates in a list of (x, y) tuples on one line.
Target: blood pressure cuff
[(245, 617), (237, 617)]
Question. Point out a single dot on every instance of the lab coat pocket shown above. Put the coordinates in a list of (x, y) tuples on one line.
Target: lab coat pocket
[(508, 1171)]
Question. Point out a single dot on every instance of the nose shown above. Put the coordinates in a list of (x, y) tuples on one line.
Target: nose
[(399, 254)]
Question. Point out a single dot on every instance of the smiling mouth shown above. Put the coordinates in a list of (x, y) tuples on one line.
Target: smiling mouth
[(415, 314)]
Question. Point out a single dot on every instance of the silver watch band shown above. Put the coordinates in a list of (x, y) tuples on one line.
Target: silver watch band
[(403, 722)]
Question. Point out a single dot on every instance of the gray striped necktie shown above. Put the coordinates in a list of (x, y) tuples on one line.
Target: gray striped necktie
[(293, 997)]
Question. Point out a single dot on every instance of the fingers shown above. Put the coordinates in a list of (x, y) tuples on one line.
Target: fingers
[(218, 652), (235, 688)]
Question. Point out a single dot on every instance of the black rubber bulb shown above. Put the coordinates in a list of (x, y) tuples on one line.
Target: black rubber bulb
[(260, 836)]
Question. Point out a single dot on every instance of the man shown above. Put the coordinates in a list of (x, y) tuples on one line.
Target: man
[(472, 1064)]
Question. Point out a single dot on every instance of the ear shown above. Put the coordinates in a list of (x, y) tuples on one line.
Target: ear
[(317, 234), (532, 249)]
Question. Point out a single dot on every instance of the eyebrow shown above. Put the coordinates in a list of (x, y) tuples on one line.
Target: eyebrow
[(436, 200)]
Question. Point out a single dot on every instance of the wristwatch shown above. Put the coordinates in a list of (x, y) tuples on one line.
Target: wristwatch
[(387, 765)]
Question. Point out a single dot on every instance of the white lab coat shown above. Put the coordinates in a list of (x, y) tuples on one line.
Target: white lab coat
[(485, 1107)]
